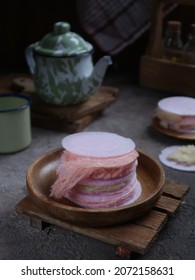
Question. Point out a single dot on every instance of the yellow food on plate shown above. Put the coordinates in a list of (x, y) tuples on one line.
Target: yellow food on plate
[(183, 155)]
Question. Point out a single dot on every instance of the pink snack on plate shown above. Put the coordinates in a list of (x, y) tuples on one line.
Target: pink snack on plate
[(97, 169), (177, 113)]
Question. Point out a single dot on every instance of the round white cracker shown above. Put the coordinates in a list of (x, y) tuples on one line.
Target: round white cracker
[(98, 144), (180, 105)]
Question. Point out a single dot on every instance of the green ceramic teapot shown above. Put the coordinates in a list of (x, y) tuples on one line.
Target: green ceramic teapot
[(62, 68)]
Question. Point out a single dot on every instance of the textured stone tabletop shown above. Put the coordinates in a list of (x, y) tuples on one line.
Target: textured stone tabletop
[(129, 116)]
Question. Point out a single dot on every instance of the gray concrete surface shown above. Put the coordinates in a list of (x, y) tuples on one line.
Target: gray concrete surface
[(129, 116)]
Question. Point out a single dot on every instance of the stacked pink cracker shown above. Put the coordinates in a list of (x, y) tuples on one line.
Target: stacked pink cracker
[(97, 170), (177, 113)]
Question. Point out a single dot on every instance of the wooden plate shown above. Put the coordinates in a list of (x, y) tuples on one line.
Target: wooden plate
[(42, 173), (170, 132)]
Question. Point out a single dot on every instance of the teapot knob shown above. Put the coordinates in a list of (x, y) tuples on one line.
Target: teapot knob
[(61, 27)]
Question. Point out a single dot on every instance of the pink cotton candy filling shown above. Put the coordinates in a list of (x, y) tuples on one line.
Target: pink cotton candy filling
[(72, 169)]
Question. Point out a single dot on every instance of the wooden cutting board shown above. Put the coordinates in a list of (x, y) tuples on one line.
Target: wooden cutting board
[(63, 118)]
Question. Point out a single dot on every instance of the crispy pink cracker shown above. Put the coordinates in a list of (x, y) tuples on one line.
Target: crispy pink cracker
[(98, 144)]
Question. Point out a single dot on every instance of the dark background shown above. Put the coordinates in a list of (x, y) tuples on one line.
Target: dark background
[(24, 22)]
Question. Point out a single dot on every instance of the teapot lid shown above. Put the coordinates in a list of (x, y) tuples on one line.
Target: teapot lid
[(62, 42)]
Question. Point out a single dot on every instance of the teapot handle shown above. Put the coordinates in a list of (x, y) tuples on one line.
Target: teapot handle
[(30, 58)]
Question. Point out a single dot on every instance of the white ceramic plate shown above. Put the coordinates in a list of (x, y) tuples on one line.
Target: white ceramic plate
[(163, 158)]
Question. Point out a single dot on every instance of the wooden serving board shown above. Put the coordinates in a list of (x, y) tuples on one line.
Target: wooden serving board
[(136, 236), (62, 118)]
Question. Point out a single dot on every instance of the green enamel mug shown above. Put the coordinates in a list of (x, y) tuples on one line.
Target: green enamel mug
[(15, 125)]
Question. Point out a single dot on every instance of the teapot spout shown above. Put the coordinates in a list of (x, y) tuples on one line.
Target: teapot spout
[(101, 66), (95, 79)]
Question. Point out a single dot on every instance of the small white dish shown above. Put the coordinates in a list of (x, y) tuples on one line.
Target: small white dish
[(164, 159)]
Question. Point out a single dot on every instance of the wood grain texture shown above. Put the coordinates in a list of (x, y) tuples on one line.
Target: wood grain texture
[(61, 118), (133, 236), (160, 73)]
